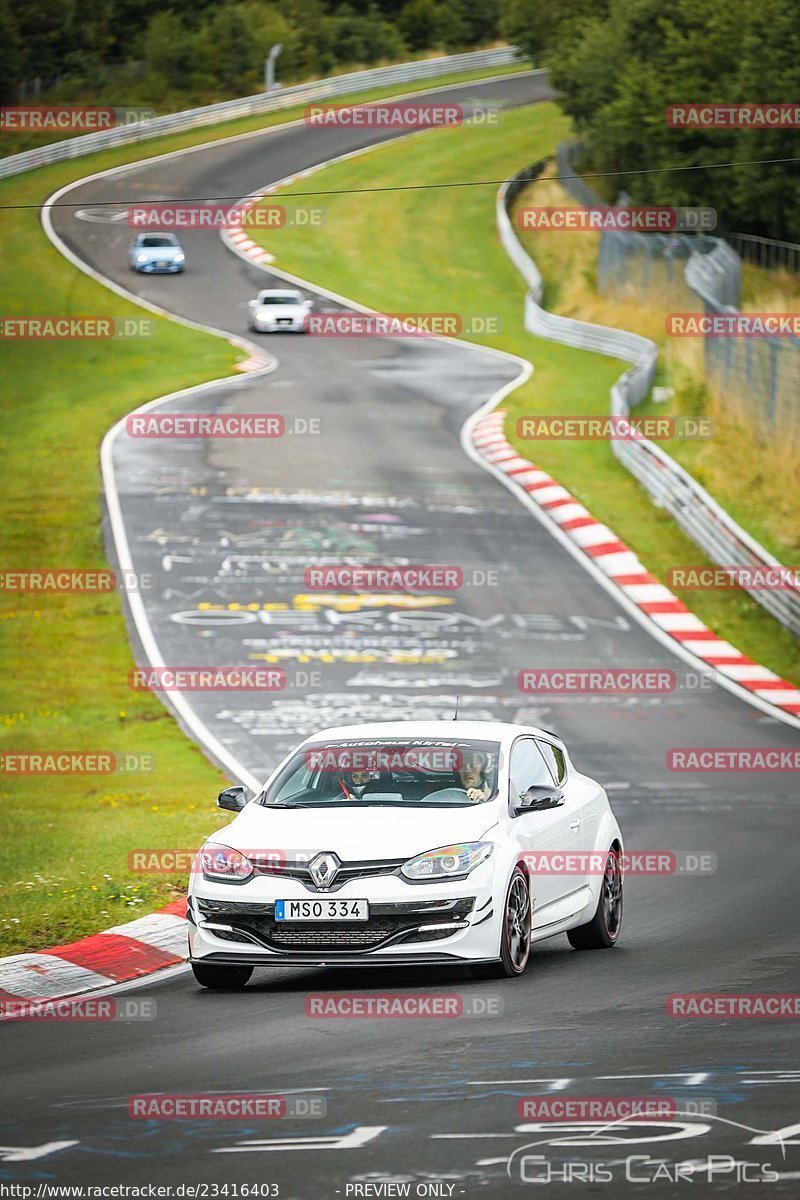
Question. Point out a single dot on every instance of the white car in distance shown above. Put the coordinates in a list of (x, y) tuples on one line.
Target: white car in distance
[(405, 844), (274, 311)]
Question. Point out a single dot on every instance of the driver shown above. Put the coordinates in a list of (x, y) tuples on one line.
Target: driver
[(472, 776), (356, 783)]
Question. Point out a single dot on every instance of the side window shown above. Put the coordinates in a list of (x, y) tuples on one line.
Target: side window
[(555, 760), (528, 769), (294, 784)]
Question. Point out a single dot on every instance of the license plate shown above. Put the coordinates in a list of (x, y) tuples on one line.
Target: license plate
[(285, 320), (321, 910), (162, 264)]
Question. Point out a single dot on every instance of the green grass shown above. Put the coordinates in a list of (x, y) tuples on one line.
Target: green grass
[(64, 842), (437, 250)]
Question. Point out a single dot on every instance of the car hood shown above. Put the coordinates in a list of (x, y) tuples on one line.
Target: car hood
[(355, 833)]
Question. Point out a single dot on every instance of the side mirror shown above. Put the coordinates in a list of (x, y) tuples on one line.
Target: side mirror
[(233, 798), (252, 303), (538, 798), (309, 304)]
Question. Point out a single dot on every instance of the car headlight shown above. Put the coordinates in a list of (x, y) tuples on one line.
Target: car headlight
[(179, 257), (222, 862), (141, 258), (448, 862)]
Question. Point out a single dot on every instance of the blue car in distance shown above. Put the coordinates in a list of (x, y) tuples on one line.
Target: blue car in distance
[(156, 253)]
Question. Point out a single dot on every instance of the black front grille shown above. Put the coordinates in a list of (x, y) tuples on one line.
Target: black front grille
[(365, 935), (255, 923)]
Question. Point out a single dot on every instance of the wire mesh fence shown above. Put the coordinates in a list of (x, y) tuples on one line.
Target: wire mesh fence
[(670, 486), (756, 377)]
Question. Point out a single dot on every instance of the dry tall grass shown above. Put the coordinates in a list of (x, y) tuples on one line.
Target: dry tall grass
[(753, 472)]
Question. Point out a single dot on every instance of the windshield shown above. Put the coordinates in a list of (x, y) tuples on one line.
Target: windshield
[(154, 243), (283, 298), (405, 773)]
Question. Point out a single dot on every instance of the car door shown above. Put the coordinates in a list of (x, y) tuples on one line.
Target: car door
[(541, 833), (583, 795), (580, 800), (583, 808)]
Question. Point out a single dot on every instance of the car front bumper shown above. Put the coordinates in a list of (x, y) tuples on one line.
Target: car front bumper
[(456, 921), (294, 326), (151, 268)]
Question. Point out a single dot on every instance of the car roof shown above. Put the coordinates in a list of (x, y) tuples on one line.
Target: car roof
[(492, 731), (279, 292)]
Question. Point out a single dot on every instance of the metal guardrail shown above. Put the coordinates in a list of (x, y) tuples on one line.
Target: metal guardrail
[(266, 102), (758, 375), (670, 487), (767, 253)]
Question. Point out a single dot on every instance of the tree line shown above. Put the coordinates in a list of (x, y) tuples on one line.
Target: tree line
[(182, 52), (620, 63)]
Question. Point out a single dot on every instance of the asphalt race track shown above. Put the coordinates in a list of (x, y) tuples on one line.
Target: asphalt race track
[(430, 1102)]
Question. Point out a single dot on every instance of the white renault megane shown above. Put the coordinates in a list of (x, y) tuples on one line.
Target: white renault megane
[(408, 843)]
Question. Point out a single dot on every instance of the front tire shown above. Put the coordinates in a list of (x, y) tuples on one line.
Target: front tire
[(221, 978), (602, 932), (515, 945)]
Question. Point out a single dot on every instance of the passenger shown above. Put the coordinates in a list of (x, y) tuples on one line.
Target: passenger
[(472, 776)]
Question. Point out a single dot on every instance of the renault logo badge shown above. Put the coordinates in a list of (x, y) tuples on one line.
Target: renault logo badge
[(323, 869)]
